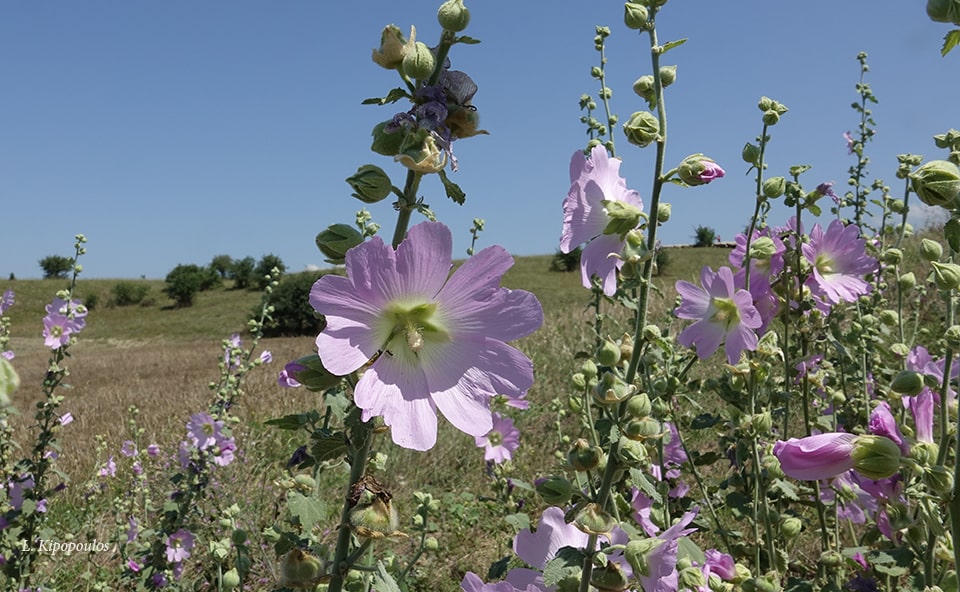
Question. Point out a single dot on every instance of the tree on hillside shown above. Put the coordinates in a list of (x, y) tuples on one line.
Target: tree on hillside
[(183, 282), (241, 272), (704, 236), (222, 264), (56, 266)]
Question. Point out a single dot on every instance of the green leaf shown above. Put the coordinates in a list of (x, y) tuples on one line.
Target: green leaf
[(328, 446), (392, 97), (518, 521), (787, 489), (704, 420), (671, 44), (383, 581), (951, 231), (640, 479), (951, 40), (466, 39), (295, 421), (498, 569), (453, 190), (892, 562), (307, 510)]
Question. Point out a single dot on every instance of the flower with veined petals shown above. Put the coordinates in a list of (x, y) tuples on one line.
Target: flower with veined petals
[(204, 431), (57, 329), (722, 314), (500, 442), (838, 260), (593, 181), (435, 342), (179, 545), (817, 457)]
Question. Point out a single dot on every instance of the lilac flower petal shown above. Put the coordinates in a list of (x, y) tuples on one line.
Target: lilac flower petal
[(596, 260), (813, 458), (553, 533), (409, 411), (423, 260)]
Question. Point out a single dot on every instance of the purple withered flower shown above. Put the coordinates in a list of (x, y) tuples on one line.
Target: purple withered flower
[(838, 262), (850, 141), (6, 301), (722, 314), (153, 450), (585, 218), (287, 377), (817, 457), (826, 189), (179, 545), (435, 342), (501, 441)]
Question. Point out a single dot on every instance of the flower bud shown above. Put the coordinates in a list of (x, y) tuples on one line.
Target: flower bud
[(750, 154), (623, 217), (762, 248), (762, 423), (608, 354), (642, 128), (697, 169), (637, 553), (419, 63), (907, 382), (791, 527), (589, 368), (336, 240), (370, 184), (644, 87), (939, 479), (592, 519), (692, 578), (639, 406), (774, 187), (376, 518), (892, 256), (609, 578), (555, 491), (668, 75), (631, 453), (924, 453), (889, 318), (299, 569), (936, 183), (230, 579), (584, 456), (393, 47), (946, 275), (387, 143), (635, 16), (663, 212), (907, 281), (453, 16), (930, 250), (642, 429), (771, 117), (944, 11), (578, 380), (612, 390), (875, 457), (952, 336)]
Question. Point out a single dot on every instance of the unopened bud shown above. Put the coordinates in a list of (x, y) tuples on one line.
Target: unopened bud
[(946, 275), (608, 354), (892, 256), (370, 184), (631, 453), (908, 382), (635, 16), (668, 75), (697, 169), (952, 336), (642, 129), (336, 240), (663, 212), (453, 16), (419, 63), (930, 250), (907, 281), (555, 491), (750, 154), (939, 479), (609, 578), (774, 187), (584, 456), (299, 569), (937, 183), (592, 519), (791, 527), (889, 318), (875, 457), (639, 406), (393, 46)]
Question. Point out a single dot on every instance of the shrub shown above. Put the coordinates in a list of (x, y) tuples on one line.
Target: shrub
[(662, 259), (264, 268), (241, 272), (292, 313), (704, 236), (56, 266), (91, 301), (183, 282), (566, 261), (128, 293), (211, 279)]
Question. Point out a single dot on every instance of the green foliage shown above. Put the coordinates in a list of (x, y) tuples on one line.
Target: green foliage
[(183, 282), (242, 273), (704, 236), (662, 259), (566, 261), (56, 266), (292, 314), (128, 293), (264, 268), (222, 265)]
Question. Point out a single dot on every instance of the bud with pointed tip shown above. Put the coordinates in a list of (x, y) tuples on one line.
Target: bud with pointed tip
[(642, 129), (937, 183), (453, 16), (393, 47), (419, 63), (336, 240), (370, 184)]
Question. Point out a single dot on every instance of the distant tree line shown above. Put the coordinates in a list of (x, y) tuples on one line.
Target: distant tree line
[(185, 280)]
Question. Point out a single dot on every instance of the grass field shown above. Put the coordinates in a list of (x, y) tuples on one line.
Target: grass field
[(160, 359)]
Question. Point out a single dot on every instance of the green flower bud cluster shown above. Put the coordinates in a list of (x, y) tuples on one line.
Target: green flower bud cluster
[(772, 110), (937, 183), (950, 141)]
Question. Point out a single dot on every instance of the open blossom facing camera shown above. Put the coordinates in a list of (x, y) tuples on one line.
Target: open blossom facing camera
[(435, 341), (722, 314), (596, 180), (839, 261), (500, 443)]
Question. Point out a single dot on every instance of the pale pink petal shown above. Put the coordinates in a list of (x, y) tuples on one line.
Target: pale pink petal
[(345, 345), (596, 260), (423, 259), (738, 339), (694, 303), (702, 335), (400, 394)]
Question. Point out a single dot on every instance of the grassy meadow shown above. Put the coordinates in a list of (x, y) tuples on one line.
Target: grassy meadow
[(160, 360)]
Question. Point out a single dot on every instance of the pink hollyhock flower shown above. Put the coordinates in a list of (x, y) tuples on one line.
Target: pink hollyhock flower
[(852, 500), (722, 314), (57, 329), (472, 583), (6, 301), (642, 509), (720, 564), (838, 260), (203, 430), (287, 377), (813, 458), (921, 406), (850, 142), (661, 574), (128, 448), (179, 545), (72, 309), (882, 423), (767, 266), (538, 547), (585, 217), (431, 341), (109, 469), (500, 442)]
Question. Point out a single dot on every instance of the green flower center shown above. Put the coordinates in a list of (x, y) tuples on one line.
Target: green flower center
[(411, 324), (725, 312), (495, 438), (824, 264)]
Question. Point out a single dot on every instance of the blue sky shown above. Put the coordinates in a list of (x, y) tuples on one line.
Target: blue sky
[(170, 132)]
